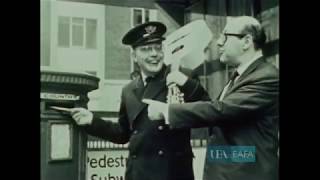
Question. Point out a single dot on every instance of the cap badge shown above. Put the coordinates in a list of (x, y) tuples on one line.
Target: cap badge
[(150, 30)]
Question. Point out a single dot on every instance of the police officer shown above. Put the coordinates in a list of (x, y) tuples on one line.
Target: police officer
[(155, 151)]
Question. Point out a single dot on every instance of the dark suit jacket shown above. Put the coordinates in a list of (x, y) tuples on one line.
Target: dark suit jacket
[(247, 116), (155, 151)]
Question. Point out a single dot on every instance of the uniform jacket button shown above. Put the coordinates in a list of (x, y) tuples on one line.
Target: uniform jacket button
[(160, 152), (134, 156), (160, 128), (135, 132)]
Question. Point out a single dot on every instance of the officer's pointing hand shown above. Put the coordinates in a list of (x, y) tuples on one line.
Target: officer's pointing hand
[(81, 116), (156, 109)]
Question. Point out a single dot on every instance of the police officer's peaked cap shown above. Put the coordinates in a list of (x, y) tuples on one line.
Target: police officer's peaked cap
[(146, 33)]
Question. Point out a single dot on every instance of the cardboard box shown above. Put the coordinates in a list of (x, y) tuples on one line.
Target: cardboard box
[(185, 46)]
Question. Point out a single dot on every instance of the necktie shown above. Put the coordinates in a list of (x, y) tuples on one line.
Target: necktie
[(229, 84), (148, 80), (232, 78)]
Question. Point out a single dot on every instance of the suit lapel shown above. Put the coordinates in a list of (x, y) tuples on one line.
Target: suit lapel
[(250, 69)]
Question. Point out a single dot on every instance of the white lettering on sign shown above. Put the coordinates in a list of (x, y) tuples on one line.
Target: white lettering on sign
[(111, 164), (107, 165), (59, 96)]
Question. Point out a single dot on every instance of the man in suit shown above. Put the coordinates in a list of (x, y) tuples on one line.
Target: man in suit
[(155, 151), (245, 114)]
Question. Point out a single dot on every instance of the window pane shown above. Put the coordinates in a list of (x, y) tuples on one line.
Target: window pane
[(77, 31), (146, 15), (77, 35), (77, 20), (137, 17), (91, 33), (63, 31)]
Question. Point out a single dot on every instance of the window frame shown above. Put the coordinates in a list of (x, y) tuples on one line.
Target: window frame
[(84, 33)]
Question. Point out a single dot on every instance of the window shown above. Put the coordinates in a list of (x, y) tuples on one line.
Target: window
[(139, 16), (77, 32), (81, 32), (63, 31), (91, 33), (147, 15)]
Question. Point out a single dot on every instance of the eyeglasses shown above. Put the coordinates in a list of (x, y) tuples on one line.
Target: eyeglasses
[(149, 48), (224, 37)]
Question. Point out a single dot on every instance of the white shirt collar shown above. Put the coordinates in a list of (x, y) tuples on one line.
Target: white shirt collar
[(144, 77), (245, 65)]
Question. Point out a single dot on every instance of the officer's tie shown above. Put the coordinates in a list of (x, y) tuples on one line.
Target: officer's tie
[(148, 80)]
